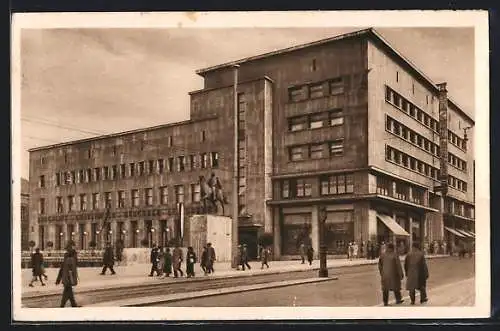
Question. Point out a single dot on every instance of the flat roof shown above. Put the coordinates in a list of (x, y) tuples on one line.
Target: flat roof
[(370, 33), (120, 134)]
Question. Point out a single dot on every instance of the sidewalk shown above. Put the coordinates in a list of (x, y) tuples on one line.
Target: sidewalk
[(89, 278)]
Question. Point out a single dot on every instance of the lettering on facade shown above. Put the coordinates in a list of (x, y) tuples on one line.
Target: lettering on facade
[(119, 214)]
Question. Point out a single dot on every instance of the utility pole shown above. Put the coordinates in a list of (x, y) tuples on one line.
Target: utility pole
[(234, 225), (323, 269)]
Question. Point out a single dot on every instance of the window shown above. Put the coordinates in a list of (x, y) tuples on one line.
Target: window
[(89, 176), (148, 192), (121, 199), (83, 202), (388, 123), (204, 160), (349, 183), (203, 136), (71, 202), (384, 185), (151, 167), (41, 206), (397, 100), (316, 151), (388, 94), (180, 163), (59, 205), (195, 192), (95, 201), (297, 123), (164, 195), (295, 153), (341, 189), (313, 65), (81, 176), (105, 173), (412, 110), (107, 200), (113, 152), (300, 188), (58, 179), (161, 165), (97, 174), (141, 168), (337, 147), (170, 141), (132, 169), (285, 189), (114, 172), (418, 196), (179, 193), (41, 181), (336, 86), (296, 94), (401, 191), (89, 153), (215, 159), (123, 172), (134, 194), (316, 90), (397, 76), (317, 120), (65, 157)]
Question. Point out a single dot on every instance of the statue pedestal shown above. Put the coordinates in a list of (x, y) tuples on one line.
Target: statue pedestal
[(203, 229)]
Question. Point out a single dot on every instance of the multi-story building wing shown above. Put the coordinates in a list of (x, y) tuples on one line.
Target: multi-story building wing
[(345, 123), (25, 222)]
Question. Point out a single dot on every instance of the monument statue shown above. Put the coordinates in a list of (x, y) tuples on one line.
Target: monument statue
[(212, 192)]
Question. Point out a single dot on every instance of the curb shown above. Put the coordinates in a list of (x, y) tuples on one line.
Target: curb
[(182, 280), (148, 301)]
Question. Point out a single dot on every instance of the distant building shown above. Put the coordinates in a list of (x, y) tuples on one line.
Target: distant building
[(346, 123), (25, 220)]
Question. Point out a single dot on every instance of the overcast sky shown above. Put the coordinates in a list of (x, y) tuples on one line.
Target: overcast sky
[(78, 83)]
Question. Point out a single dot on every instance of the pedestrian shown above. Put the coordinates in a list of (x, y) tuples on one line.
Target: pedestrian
[(355, 249), (310, 253), (302, 250), (264, 257), (161, 260), (68, 275), (350, 251), (391, 274), (177, 261), (37, 267), (204, 260), (154, 261), (416, 273), (190, 262), (244, 257), (238, 257), (211, 258), (108, 260), (167, 265)]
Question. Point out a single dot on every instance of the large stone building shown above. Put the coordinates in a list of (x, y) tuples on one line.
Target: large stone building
[(345, 123)]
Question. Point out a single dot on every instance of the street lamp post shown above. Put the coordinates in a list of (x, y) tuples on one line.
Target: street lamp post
[(151, 236), (60, 240), (323, 270), (84, 240), (136, 236), (98, 239)]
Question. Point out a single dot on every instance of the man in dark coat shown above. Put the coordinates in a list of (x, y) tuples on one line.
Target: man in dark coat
[(204, 260), (37, 267), (416, 273), (154, 261), (68, 275), (177, 261), (210, 258), (108, 260), (244, 257), (391, 274)]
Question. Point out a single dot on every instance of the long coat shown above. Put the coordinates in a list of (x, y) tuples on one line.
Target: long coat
[(37, 264), (167, 263), (177, 258), (68, 265), (108, 257), (391, 272), (416, 270)]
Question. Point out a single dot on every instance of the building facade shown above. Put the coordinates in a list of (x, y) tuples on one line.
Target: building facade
[(344, 123)]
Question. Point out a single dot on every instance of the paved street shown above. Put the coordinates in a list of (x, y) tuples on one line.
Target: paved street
[(451, 283)]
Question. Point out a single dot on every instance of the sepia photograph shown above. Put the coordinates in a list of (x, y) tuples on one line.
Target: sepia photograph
[(274, 165)]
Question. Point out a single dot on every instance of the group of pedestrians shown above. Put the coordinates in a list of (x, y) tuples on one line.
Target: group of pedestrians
[(392, 273)]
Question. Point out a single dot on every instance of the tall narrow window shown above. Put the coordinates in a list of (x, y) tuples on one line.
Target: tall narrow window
[(88, 178), (151, 167), (170, 141), (41, 206), (179, 193), (134, 194), (285, 189), (141, 168), (180, 163), (114, 172), (105, 173), (71, 202), (42, 181), (59, 205), (204, 160), (161, 165), (121, 199), (123, 172), (107, 200), (164, 195), (83, 202), (149, 196), (171, 164), (191, 162), (95, 201), (58, 179), (195, 192), (215, 159), (132, 169)]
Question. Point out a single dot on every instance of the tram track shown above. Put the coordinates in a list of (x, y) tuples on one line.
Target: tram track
[(171, 286)]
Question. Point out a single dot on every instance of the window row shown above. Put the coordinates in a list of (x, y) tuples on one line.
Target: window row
[(457, 162), (457, 141), (400, 190), (316, 151), (316, 90), (402, 159), (121, 199), (410, 109), (133, 169), (411, 136), (457, 183), (315, 121), (459, 208)]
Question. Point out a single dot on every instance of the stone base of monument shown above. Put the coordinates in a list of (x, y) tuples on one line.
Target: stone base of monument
[(203, 229)]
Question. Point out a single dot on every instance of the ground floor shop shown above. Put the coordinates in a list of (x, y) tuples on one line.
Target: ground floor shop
[(375, 221)]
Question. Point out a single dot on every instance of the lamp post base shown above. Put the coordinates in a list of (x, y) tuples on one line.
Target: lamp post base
[(323, 270)]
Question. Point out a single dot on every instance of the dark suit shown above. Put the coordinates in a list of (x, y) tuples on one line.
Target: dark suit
[(68, 275), (391, 275), (154, 262), (108, 260)]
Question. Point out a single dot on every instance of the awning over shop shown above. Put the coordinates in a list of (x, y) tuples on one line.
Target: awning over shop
[(393, 225), (453, 231), (466, 233), (472, 234)]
